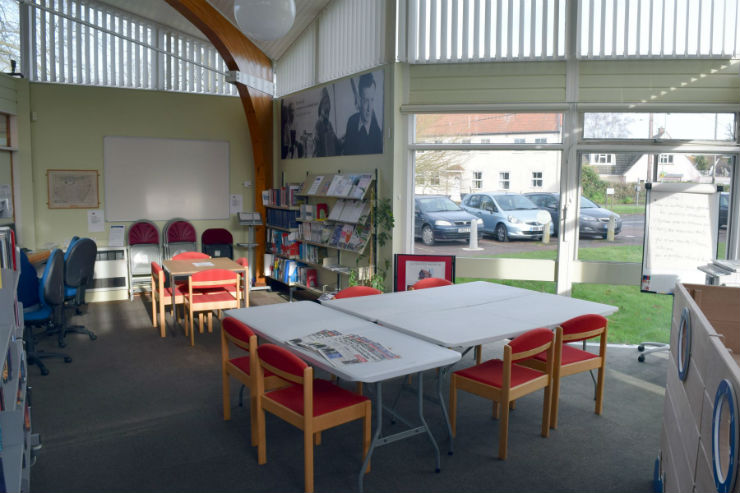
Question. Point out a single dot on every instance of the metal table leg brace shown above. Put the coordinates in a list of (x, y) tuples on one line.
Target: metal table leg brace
[(379, 440)]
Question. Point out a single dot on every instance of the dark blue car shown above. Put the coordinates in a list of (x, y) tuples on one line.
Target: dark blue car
[(436, 218)]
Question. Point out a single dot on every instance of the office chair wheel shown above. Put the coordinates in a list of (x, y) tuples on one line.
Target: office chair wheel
[(67, 359), (44, 371), (641, 358), (641, 347), (438, 470)]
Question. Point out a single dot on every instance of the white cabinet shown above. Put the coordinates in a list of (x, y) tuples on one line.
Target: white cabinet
[(110, 279)]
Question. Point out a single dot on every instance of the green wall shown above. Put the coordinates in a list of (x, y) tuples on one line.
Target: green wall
[(67, 127)]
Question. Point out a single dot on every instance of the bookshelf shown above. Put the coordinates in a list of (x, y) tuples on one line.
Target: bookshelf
[(16, 440), (320, 230)]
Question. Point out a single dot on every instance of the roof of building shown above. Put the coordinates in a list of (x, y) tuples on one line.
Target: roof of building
[(470, 124)]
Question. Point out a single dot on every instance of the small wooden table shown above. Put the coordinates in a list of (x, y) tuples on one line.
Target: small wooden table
[(184, 268)]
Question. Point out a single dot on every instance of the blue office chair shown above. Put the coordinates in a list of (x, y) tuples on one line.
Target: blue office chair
[(79, 266), (42, 304)]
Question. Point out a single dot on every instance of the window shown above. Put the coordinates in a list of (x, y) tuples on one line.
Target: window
[(602, 159), (665, 159), (434, 179), (536, 179), (520, 141), (496, 128), (660, 126), (503, 180), (540, 140), (477, 180)]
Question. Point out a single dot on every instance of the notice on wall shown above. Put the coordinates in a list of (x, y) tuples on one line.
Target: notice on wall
[(95, 221), (680, 234)]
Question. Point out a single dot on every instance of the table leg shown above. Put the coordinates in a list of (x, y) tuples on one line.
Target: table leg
[(443, 372), (378, 430)]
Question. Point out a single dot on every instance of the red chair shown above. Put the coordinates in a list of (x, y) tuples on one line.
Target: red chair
[(208, 290), (503, 382), (162, 296), (356, 291), (310, 405), (431, 282), (569, 360), (239, 337), (190, 256)]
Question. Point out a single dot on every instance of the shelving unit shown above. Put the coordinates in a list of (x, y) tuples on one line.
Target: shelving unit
[(251, 220), (15, 415), (326, 233)]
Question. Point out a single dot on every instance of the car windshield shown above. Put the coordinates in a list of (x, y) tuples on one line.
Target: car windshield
[(514, 202), (587, 204), (437, 204)]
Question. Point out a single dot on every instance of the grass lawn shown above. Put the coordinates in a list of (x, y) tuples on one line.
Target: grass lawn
[(641, 316)]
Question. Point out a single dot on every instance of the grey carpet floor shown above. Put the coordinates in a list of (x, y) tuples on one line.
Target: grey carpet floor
[(137, 413)]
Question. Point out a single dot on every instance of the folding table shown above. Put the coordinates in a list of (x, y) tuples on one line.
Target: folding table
[(282, 322), (465, 315)]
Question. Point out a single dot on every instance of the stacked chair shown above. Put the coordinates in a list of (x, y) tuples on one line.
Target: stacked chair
[(144, 248), (217, 242), (178, 236)]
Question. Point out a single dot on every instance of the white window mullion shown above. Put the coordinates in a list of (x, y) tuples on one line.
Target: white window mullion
[(543, 27), (638, 28), (80, 41), (454, 48), (443, 53), (625, 51), (532, 28), (711, 29), (499, 27), (510, 31), (422, 30), (520, 52), (70, 44), (476, 52), (106, 49), (199, 59), (45, 44), (465, 31), (488, 39), (121, 58), (590, 34), (59, 66), (97, 39), (191, 67)]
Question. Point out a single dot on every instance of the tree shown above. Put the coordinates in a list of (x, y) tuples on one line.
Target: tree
[(607, 125), (444, 166), (10, 38), (593, 187)]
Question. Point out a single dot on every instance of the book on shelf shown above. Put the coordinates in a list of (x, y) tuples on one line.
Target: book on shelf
[(265, 197), (307, 212), (342, 187), (326, 232), (336, 235), (345, 235), (325, 184), (336, 211), (335, 181), (312, 278), (355, 211), (269, 259), (322, 211), (359, 237), (360, 184), (7, 248), (311, 185)]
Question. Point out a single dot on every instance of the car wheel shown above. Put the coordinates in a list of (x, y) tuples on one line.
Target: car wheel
[(502, 233), (427, 235)]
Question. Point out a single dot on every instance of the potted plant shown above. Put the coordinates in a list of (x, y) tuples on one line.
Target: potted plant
[(381, 219)]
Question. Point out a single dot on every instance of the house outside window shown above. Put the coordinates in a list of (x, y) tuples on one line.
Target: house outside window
[(477, 180), (503, 180), (602, 159), (536, 179)]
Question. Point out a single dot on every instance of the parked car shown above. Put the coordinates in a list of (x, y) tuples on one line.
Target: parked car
[(593, 220), (436, 218), (507, 215), (724, 205)]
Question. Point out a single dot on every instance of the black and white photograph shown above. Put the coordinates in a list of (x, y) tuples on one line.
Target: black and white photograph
[(343, 118)]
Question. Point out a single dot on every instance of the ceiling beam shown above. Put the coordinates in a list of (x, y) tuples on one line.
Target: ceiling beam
[(241, 55)]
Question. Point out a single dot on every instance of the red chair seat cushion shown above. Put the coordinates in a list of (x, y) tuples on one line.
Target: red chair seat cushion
[(242, 362), (327, 397), (212, 296), (569, 355), (491, 373), (179, 291)]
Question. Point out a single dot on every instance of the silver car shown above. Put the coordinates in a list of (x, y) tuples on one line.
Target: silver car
[(508, 215)]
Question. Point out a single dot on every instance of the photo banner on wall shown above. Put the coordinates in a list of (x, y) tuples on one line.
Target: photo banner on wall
[(342, 118)]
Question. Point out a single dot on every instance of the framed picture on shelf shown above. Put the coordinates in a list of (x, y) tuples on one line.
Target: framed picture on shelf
[(407, 269)]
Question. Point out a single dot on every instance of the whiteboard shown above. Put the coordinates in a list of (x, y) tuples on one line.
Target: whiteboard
[(680, 234), (158, 179)]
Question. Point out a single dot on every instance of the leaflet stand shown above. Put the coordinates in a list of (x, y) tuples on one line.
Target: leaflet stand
[(250, 220)]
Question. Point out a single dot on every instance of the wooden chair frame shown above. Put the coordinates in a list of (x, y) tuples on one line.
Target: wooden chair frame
[(311, 426), (229, 369), (161, 298), (598, 362), (504, 397), (226, 282)]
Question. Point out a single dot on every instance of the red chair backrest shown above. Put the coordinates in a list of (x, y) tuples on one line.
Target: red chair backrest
[(282, 360), (190, 255), (536, 340), (216, 236), (213, 276), (236, 329), (583, 327), (355, 291), (181, 231), (431, 282), (156, 269), (143, 232), (242, 261)]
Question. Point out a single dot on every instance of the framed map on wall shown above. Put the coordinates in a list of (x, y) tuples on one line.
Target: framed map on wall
[(73, 189)]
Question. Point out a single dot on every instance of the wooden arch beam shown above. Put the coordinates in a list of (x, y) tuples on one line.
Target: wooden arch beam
[(240, 54)]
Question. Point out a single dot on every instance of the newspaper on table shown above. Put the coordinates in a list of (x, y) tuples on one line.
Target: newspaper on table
[(343, 349)]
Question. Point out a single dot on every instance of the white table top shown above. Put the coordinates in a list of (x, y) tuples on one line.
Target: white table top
[(281, 322), (468, 314)]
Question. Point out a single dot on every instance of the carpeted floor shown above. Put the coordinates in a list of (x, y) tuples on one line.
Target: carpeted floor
[(137, 413)]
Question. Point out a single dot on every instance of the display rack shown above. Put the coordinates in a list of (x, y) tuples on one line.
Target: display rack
[(318, 231), (251, 220)]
